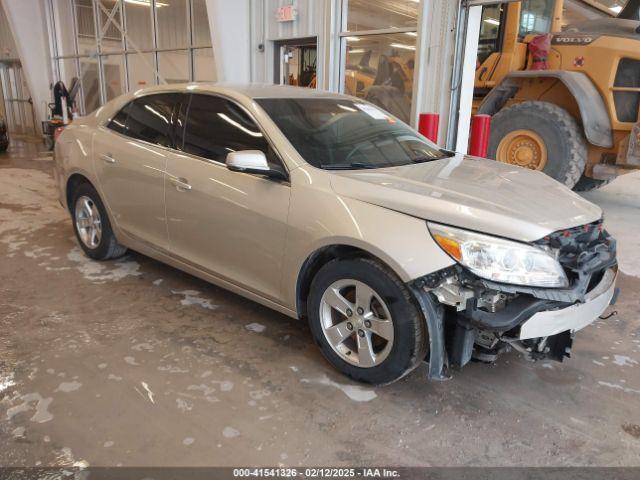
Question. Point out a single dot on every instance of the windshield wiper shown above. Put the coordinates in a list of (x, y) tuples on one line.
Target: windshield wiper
[(351, 166), (447, 153), (426, 158)]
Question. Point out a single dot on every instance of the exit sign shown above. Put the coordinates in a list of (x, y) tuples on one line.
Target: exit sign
[(286, 14)]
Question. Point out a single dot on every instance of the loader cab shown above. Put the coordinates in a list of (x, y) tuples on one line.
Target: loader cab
[(503, 29)]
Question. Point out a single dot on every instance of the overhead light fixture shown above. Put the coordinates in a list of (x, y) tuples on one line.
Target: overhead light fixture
[(146, 3), (357, 50), (403, 46), (492, 21), (353, 39), (616, 9), (411, 34)]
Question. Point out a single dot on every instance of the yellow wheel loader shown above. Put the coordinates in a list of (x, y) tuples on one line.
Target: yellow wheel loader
[(576, 117)]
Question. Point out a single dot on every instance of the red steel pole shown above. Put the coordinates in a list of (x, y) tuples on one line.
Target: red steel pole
[(428, 126), (480, 132)]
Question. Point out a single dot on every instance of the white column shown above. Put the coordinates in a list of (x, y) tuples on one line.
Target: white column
[(468, 78), (229, 23), (434, 61), (28, 25)]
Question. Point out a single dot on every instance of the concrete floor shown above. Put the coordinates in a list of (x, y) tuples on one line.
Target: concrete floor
[(134, 363)]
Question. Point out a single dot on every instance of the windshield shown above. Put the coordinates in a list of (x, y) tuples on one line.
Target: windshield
[(333, 133)]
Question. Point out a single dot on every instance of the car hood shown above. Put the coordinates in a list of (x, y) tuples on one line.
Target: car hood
[(472, 193)]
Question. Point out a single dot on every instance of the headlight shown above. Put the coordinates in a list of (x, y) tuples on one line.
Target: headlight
[(500, 260)]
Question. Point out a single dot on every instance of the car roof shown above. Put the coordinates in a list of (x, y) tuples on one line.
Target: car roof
[(249, 90), (243, 92)]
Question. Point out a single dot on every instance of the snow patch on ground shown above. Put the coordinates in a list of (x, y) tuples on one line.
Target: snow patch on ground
[(65, 458), (192, 297), (230, 432), (33, 401), (102, 272), (67, 387), (6, 381), (624, 361), (617, 386), (620, 201), (150, 394), (131, 361), (255, 327), (354, 392)]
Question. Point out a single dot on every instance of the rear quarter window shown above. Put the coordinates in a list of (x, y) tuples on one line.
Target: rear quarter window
[(119, 122)]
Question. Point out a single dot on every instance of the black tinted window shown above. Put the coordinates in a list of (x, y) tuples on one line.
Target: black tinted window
[(346, 134), (118, 123), (150, 118), (216, 126)]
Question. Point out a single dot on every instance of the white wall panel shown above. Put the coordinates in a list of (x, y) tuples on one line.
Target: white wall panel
[(230, 35), (314, 20), (27, 23)]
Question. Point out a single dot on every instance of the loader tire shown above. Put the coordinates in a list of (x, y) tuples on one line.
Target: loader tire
[(540, 136)]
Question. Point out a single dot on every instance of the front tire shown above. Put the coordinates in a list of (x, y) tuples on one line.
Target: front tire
[(365, 321), (540, 136), (91, 225)]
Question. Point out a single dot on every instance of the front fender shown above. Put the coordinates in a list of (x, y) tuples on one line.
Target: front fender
[(319, 218)]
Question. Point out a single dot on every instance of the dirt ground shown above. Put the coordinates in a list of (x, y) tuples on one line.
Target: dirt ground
[(134, 363)]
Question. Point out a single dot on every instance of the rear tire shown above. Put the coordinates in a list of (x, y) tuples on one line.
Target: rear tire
[(387, 297), (564, 149), (91, 225)]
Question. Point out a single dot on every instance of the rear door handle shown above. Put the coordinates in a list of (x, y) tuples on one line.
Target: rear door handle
[(107, 158), (181, 184)]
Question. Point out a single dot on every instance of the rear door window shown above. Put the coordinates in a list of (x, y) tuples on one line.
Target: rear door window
[(150, 118)]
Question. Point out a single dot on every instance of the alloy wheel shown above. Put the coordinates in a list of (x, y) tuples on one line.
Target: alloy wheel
[(88, 222), (356, 322)]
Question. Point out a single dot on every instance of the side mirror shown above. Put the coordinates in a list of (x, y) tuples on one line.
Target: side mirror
[(252, 161)]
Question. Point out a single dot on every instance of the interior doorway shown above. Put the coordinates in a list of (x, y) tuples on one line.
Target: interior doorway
[(296, 62)]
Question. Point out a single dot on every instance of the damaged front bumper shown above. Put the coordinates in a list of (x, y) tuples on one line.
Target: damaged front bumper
[(477, 318), (574, 317)]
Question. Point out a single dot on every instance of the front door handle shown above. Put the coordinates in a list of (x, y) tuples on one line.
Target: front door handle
[(181, 184), (107, 158)]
